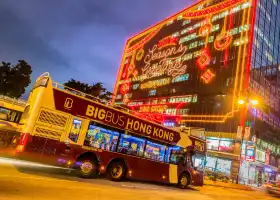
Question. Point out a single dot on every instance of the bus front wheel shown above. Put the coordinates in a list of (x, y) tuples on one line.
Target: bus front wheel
[(87, 168), (184, 181), (116, 171)]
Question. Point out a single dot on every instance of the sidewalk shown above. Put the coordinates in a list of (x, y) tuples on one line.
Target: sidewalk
[(227, 185)]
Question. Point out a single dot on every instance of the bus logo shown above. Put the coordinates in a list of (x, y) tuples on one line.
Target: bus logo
[(68, 103)]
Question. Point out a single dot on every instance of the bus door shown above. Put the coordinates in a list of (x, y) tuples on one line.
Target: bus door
[(74, 136)]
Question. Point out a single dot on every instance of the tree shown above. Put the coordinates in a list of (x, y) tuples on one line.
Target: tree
[(14, 78), (77, 85), (96, 89)]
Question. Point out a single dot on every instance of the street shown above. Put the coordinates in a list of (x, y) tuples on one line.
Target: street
[(31, 184)]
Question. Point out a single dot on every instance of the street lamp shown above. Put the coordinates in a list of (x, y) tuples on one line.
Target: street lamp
[(254, 102), (241, 102)]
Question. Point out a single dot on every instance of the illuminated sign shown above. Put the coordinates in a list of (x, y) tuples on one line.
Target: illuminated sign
[(112, 117), (250, 153), (155, 84), (167, 41), (153, 109), (169, 124), (190, 53), (164, 61)]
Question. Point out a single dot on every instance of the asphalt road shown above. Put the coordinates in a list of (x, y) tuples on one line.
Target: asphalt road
[(35, 183)]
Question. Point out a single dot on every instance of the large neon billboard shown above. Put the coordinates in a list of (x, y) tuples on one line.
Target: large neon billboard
[(191, 65)]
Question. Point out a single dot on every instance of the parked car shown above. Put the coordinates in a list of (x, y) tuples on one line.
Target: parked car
[(272, 187)]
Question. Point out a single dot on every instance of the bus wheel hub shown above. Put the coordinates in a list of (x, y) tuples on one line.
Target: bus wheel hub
[(184, 181), (87, 167)]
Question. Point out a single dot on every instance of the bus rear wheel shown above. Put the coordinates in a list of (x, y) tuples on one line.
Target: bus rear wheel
[(184, 181), (87, 168), (116, 171)]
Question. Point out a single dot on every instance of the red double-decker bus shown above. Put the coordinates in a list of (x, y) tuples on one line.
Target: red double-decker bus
[(64, 127)]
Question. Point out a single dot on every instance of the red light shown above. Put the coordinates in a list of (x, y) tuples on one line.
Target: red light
[(205, 30), (167, 41), (204, 59), (22, 142), (143, 41), (216, 8), (125, 88), (222, 41), (208, 76)]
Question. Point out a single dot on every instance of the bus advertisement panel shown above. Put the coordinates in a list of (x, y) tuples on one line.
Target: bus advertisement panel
[(62, 126)]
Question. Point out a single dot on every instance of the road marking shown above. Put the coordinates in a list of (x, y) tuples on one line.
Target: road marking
[(37, 178), (148, 188)]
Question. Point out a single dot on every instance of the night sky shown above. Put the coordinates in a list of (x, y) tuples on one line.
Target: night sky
[(80, 39)]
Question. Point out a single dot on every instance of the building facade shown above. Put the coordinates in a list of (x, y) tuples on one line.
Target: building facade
[(192, 68)]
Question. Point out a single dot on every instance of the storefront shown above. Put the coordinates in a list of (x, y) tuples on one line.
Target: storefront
[(259, 171), (220, 155)]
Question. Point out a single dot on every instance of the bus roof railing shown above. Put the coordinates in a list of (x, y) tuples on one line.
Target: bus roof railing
[(14, 101), (88, 96)]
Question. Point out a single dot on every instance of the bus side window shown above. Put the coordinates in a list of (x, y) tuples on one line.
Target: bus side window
[(154, 151), (173, 155), (131, 145), (101, 138), (75, 130)]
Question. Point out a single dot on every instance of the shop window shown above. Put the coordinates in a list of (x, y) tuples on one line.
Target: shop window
[(211, 163), (75, 130), (131, 145), (174, 154), (154, 151), (223, 166), (213, 144), (101, 138), (260, 155), (226, 146)]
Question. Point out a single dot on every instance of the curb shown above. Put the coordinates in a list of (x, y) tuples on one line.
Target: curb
[(236, 188)]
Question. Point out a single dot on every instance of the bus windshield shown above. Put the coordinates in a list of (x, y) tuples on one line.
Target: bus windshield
[(9, 115)]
